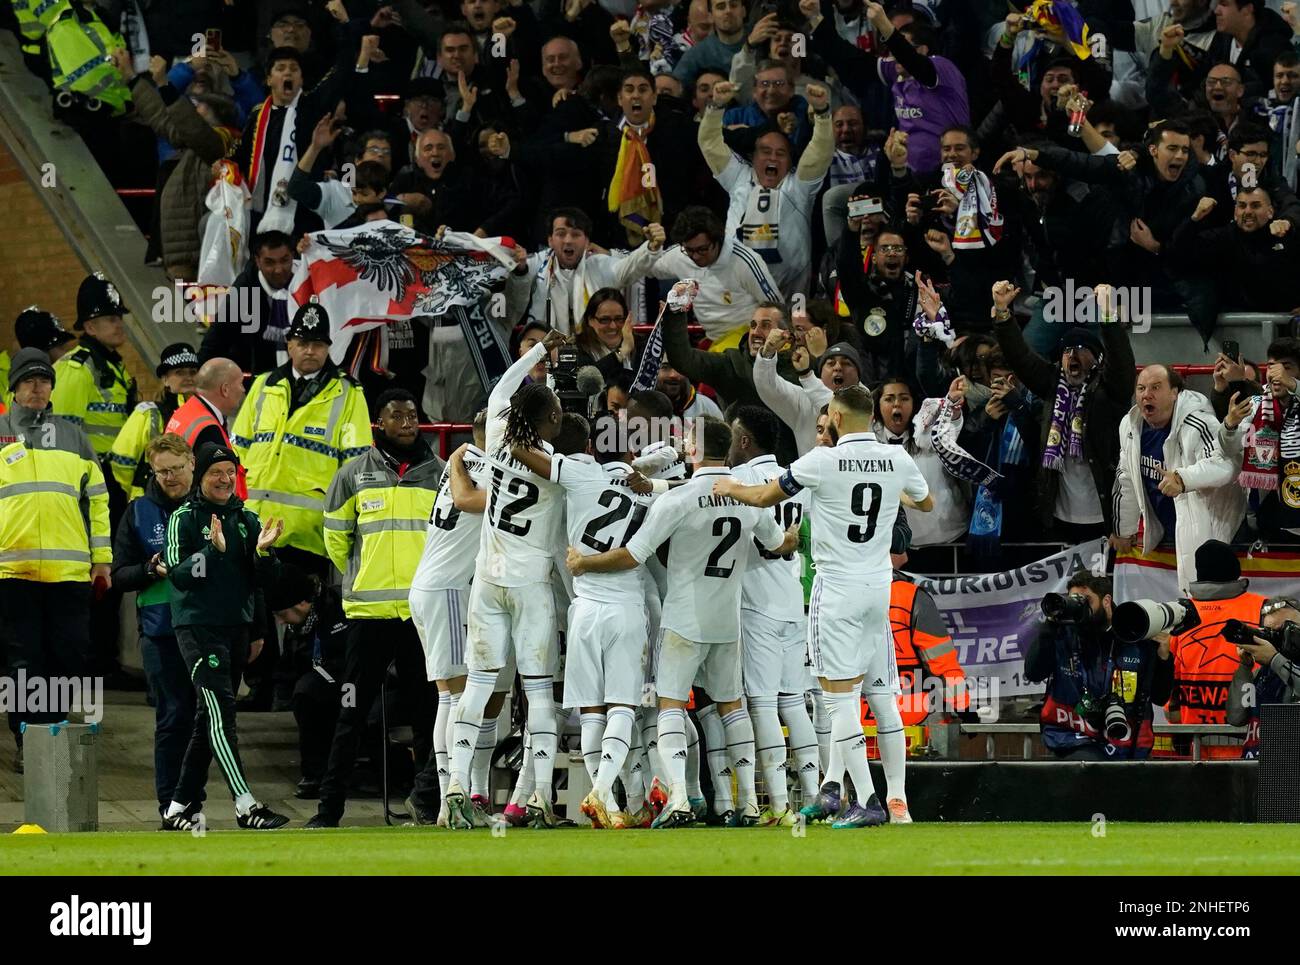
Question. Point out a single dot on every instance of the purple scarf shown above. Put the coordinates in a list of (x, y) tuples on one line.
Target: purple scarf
[(1065, 435)]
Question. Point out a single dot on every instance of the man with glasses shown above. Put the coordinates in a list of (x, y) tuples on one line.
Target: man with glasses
[(1249, 156), (1264, 676), (733, 279), (138, 568)]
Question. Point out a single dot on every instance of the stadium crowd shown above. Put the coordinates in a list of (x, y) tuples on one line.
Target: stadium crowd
[(896, 196)]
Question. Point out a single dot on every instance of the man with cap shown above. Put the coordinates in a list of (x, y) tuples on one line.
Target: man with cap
[(798, 405), (94, 389), (423, 110), (376, 513), (138, 568), (299, 424), (205, 416), (54, 533), (1204, 661), (35, 328), (178, 367), (1087, 392), (220, 563), (315, 639)]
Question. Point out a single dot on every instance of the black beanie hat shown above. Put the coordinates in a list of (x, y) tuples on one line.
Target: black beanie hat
[(1216, 563)]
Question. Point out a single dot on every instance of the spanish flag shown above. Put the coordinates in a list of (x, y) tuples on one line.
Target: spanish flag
[(633, 192), (1062, 23)]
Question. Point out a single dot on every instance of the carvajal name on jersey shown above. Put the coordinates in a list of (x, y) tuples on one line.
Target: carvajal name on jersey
[(711, 500)]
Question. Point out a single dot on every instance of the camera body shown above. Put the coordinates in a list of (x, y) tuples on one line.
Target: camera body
[(1286, 639), (564, 380), (1072, 609)]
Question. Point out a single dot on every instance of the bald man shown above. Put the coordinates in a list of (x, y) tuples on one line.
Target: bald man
[(433, 186), (206, 416)]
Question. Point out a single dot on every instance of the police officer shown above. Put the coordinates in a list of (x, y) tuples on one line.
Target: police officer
[(54, 533), (95, 391), (299, 424), (35, 328), (376, 514), (178, 366), (93, 388)]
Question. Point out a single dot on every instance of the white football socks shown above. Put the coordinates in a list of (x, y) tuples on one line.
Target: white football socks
[(715, 753), (481, 768), (692, 760), (770, 747), (892, 741), (593, 734), (633, 775), (740, 749), (846, 732), (803, 742), (441, 730), (672, 741), (466, 721), (822, 726), (523, 789), (614, 746), (542, 724)]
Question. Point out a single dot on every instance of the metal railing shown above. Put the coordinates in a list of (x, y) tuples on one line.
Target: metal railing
[(1031, 730)]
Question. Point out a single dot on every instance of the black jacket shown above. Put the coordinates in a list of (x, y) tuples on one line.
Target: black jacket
[(211, 588), (1271, 36), (227, 337), (1255, 271), (452, 204), (1069, 238), (1109, 400), (1140, 193)]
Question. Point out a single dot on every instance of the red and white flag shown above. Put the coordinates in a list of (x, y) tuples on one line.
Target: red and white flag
[(382, 271)]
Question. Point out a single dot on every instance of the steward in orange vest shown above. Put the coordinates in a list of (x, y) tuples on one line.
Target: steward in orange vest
[(923, 649), (1204, 661), (196, 422)]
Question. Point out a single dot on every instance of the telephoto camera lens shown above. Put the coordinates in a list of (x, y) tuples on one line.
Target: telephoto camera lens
[(1117, 726)]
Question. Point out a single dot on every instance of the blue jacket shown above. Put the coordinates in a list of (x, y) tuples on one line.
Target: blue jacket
[(141, 533)]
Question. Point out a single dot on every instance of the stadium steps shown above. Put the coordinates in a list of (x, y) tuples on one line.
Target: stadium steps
[(268, 745), (54, 235)]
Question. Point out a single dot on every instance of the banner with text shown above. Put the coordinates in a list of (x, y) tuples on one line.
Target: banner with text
[(993, 617)]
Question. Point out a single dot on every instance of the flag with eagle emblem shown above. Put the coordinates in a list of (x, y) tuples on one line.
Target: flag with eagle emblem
[(382, 271)]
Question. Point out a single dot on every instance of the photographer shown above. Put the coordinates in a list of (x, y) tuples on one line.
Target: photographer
[(1265, 676), (1100, 692)]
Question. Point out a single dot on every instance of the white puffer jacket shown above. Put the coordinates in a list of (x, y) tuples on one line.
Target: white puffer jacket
[(1207, 457)]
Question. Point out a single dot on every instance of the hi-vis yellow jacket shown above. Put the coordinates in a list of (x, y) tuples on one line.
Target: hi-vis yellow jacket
[(375, 524), (94, 392), (53, 501), (126, 458), (292, 457), (78, 44)]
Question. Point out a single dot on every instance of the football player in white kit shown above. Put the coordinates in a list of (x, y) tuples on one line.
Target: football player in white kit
[(439, 590), (708, 552), (607, 629), (511, 603), (773, 636), (856, 488)]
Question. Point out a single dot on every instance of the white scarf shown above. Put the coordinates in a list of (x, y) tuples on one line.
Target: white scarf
[(280, 208), (566, 298)]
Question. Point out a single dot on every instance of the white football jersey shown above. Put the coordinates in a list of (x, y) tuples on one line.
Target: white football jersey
[(707, 557), (771, 583), (854, 487), (658, 461), (601, 513), (452, 540), (522, 524)]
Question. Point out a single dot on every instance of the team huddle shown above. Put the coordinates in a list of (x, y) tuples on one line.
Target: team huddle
[(675, 587)]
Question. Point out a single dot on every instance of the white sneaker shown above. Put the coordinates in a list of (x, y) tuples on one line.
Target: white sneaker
[(444, 817), (460, 813)]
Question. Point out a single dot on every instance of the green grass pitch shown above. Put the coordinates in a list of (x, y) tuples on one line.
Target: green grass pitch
[(1153, 849)]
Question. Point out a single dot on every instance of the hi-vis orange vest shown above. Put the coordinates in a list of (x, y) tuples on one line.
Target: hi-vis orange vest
[(1204, 662), (191, 419), (919, 652)]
